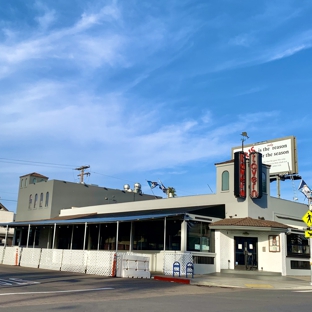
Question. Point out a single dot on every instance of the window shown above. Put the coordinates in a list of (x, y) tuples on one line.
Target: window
[(298, 246), (30, 201), (173, 234), (36, 200), (300, 265), (264, 183), (225, 181), (199, 237), (203, 260), (26, 182), (21, 183), (148, 235), (47, 200), (41, 200), (34, 180)]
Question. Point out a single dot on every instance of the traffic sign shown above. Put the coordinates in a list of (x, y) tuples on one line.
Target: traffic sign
[(307, 218), (308, 234)]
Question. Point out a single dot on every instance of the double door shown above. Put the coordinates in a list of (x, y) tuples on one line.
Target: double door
[(246, 257)]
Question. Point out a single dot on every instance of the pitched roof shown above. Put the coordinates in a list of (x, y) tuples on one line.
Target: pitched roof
[(3, 208), (249, 222), (34, 174)]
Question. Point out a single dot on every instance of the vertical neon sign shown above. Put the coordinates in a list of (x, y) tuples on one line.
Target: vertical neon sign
[(240, 175), (255, 175)]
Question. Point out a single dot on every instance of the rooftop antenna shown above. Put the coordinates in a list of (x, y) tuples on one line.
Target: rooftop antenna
[(244, 138)]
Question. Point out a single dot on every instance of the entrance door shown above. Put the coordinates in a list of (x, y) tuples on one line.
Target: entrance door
[(246, 257)]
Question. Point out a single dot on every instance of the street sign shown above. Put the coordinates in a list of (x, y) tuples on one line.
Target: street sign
[(307, 218), (308, 234)]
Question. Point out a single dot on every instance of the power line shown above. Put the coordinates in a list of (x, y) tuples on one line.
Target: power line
[(34, 163), (12, 200)]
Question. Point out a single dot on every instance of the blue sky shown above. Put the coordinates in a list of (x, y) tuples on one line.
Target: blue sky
[(150, 90)]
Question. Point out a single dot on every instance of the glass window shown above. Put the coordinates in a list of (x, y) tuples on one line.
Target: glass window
[(225, 181), (41, 200), (173, 234), (26, 182), (47, 200), (300, 265), (199, 237), (36, 200), (22, 181), (148, 235), (264, 183), (298, 246), (30, 201), (108, 236), (124, 236)]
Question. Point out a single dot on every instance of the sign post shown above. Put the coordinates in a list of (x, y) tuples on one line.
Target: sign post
[(307, 218), (310, 209)]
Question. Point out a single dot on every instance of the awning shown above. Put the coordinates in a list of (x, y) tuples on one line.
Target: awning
[(91, 220)]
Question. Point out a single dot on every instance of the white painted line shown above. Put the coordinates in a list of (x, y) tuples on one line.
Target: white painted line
[(55, 292), (304, 291), (5, 284), (18, 281)]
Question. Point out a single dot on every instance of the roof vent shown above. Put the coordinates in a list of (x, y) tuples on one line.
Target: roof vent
[(137, 188), (127, 188)]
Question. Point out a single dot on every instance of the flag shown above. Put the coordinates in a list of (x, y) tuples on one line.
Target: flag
[(303, 188), (163, 188), (152, 184)]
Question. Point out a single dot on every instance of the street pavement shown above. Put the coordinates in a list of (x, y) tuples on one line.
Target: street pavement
[(245, 279)]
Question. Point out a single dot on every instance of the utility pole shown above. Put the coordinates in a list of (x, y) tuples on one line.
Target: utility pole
[(82, 169)]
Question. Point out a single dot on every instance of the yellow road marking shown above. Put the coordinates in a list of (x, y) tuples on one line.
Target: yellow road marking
[(259, 286)]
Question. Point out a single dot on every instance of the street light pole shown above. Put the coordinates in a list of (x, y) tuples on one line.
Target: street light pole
[(310, 208)]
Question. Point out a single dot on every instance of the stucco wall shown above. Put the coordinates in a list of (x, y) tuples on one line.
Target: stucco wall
[(267, 261)]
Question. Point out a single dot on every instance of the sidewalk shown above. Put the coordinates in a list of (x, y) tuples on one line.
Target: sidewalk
[(244, 279)]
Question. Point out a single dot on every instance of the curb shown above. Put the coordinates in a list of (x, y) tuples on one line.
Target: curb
[(172, 279)]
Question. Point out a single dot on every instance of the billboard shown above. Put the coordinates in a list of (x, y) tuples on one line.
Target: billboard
[(280, 154)]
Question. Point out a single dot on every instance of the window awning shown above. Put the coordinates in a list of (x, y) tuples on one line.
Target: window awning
[(92, 219)]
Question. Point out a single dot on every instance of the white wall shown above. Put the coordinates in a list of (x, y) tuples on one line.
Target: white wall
[(267, 261)]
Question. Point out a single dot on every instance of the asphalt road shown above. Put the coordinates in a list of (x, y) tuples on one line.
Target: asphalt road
[(24, 289)]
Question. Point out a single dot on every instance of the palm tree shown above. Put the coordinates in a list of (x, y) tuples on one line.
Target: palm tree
[(171, 192)]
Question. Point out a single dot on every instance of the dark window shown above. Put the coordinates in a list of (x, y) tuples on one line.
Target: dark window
[(41, 200), (148, 235), (30, 201), (299, 265), (225, 181), (298, 246), (36, 200), (173, 234), (203, 260), (199, 237), (47, 200)]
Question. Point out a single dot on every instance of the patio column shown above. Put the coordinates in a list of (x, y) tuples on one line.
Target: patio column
[(184, 236), (72, 236), (165, 232), (49, 234), (6, 235), (131, 236), (28, 236), (99, 237), (117, 231), (84, 236), (53, 241), (34, 242)]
